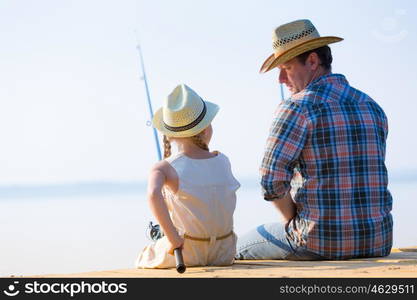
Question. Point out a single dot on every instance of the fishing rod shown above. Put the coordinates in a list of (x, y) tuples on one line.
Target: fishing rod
[(180, 265), (282, 92), (158, 149)]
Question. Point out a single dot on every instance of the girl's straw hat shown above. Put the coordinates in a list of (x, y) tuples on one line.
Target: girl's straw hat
[(184, 113), (292, 39)]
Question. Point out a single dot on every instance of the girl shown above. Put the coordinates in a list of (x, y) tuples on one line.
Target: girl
[(192, 193)]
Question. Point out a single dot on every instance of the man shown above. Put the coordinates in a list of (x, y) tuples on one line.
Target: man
[(335, 137)]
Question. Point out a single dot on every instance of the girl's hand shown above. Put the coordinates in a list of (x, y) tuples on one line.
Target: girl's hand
[(176, 242)]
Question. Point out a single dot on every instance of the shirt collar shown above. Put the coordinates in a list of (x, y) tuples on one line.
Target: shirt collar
[(328, 79)]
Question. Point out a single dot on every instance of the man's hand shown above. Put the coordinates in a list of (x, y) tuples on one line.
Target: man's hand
[(286, 207)]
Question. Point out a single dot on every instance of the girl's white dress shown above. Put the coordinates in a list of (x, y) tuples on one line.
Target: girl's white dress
[(202, 208)]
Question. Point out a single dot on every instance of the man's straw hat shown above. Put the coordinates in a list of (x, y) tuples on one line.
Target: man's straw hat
[(184, 113), (292, 39)]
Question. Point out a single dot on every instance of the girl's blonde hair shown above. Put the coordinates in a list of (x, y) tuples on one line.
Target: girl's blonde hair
[(197, 140)]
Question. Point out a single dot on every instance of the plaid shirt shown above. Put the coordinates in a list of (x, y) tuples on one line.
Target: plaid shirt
[(334, 136)]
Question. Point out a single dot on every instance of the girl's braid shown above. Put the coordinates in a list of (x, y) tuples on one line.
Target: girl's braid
[(197, 140), (167, 147)]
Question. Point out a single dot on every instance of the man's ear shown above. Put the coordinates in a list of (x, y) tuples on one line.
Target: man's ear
[(313, 61)]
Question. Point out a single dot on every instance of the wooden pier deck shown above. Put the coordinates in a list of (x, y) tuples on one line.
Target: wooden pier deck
[(401, 263)]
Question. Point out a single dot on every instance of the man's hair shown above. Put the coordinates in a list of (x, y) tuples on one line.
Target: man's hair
[(324, 53)]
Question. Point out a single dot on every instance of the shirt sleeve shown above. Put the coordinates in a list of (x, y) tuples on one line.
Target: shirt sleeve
[(285, 142)]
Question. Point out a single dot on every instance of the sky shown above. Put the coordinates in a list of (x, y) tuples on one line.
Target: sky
[(73, 104)]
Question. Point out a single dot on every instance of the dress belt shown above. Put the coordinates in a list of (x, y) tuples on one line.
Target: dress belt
[(186, 236)]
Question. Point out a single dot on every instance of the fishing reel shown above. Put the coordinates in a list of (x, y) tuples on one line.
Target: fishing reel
[(154, 232)]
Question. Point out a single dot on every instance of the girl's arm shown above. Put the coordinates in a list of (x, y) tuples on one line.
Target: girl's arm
[(157, 179)]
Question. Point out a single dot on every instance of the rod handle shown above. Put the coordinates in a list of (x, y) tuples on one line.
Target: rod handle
[(179, 261)]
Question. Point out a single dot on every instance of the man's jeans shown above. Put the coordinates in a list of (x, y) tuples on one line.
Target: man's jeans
[(269, 241)]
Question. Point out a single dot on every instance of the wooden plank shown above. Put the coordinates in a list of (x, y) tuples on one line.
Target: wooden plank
[(400, 263)]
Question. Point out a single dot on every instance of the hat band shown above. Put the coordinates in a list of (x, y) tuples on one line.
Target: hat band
[(192, 124), (296, 36)]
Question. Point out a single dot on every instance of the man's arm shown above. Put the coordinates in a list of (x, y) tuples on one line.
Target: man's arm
[(285, 143)]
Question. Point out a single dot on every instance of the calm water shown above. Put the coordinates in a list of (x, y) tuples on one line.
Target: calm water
[(85, 231)]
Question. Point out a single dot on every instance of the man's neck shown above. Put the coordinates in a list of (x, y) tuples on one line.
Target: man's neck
[(322, 72), (317, 74)]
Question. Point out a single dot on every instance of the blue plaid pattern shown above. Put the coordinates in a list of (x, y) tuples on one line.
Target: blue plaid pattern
[(335, 137)]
